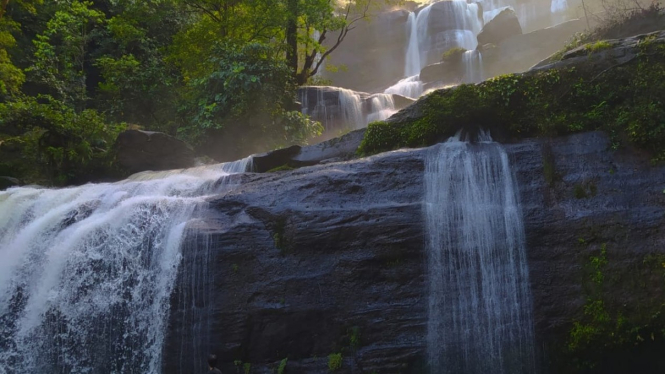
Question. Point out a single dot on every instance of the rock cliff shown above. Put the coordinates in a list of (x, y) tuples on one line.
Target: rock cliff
[(329, 259)]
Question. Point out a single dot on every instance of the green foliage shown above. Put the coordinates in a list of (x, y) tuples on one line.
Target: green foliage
[(50, 143), (622, 101), (334, 361), (246, 96), (620, 22), (453, 54), (284, 167), (282, 366), (607, 330), (598, 46), (247, 368), (354, 337), (577, 40), (61, 52)]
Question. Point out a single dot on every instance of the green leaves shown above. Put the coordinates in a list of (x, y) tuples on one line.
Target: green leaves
[(62, 51)]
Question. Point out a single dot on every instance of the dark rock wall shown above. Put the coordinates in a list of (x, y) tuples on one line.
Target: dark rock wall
[(330, 258)]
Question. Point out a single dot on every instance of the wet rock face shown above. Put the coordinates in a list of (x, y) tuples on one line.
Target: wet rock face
[(330, 258)]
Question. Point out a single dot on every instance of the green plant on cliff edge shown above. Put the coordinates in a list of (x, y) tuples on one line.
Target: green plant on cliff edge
[(282, 366), (334, 361)]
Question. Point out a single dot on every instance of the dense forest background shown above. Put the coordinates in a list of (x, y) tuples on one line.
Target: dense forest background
[(219, 74)]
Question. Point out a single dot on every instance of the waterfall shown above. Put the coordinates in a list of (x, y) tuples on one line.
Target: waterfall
[(412, 66), (410, 87), (473, 66), (381, 107), (422, 31), (479, 300), (351, 105), (86, 273), (467, 24)]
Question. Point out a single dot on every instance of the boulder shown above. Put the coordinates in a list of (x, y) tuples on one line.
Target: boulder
[(7, 182), (443, 73), (138, 151), (501, 27), (273, 159)]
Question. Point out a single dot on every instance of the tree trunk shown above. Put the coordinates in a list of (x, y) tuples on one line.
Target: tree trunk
[(292, 38), (3, 8)]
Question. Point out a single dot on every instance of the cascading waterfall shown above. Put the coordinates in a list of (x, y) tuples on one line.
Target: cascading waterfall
[(479, 300), (86, 272), (382, 106), (473, 66), (467, 24), (412, 66), (340, 108), (410, 87), (351, 105)]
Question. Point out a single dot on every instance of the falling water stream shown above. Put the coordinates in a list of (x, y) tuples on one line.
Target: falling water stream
[(86, 272), (479, 300)]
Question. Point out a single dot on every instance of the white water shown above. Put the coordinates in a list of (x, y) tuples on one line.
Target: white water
[(382, 106), (479, 301), (467, 24), (410, 87), (473, 67), (464, 17), (352, 110), (86, 272), (412, 66)]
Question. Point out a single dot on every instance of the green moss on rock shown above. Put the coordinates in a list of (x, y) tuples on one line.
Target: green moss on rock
[(623, 100)]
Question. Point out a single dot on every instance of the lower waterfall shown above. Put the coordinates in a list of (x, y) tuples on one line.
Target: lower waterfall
[(480, 318), (87, 273)]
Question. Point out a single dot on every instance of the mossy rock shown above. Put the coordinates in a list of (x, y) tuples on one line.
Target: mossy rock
[(622, 100)]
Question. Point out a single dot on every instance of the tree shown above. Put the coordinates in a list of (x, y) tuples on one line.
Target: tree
[(244, 104), (62, 55), (11, 76), (139, 83)]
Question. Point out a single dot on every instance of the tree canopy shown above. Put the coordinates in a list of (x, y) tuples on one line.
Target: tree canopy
[(221, 74)]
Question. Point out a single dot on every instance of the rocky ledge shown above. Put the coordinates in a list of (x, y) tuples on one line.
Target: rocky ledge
[(325, 265)]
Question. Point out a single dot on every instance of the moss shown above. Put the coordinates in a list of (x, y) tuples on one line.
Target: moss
[(622, 101), (598, 46), (610, 333), (579, 192), (334, 361), (453, 54), (284, 167), (279, 235)]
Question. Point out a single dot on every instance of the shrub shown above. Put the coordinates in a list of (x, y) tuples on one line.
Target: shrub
[(334, 361)]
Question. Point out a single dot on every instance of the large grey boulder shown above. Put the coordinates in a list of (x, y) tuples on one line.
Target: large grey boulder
[(138, 150), (501, 27)]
